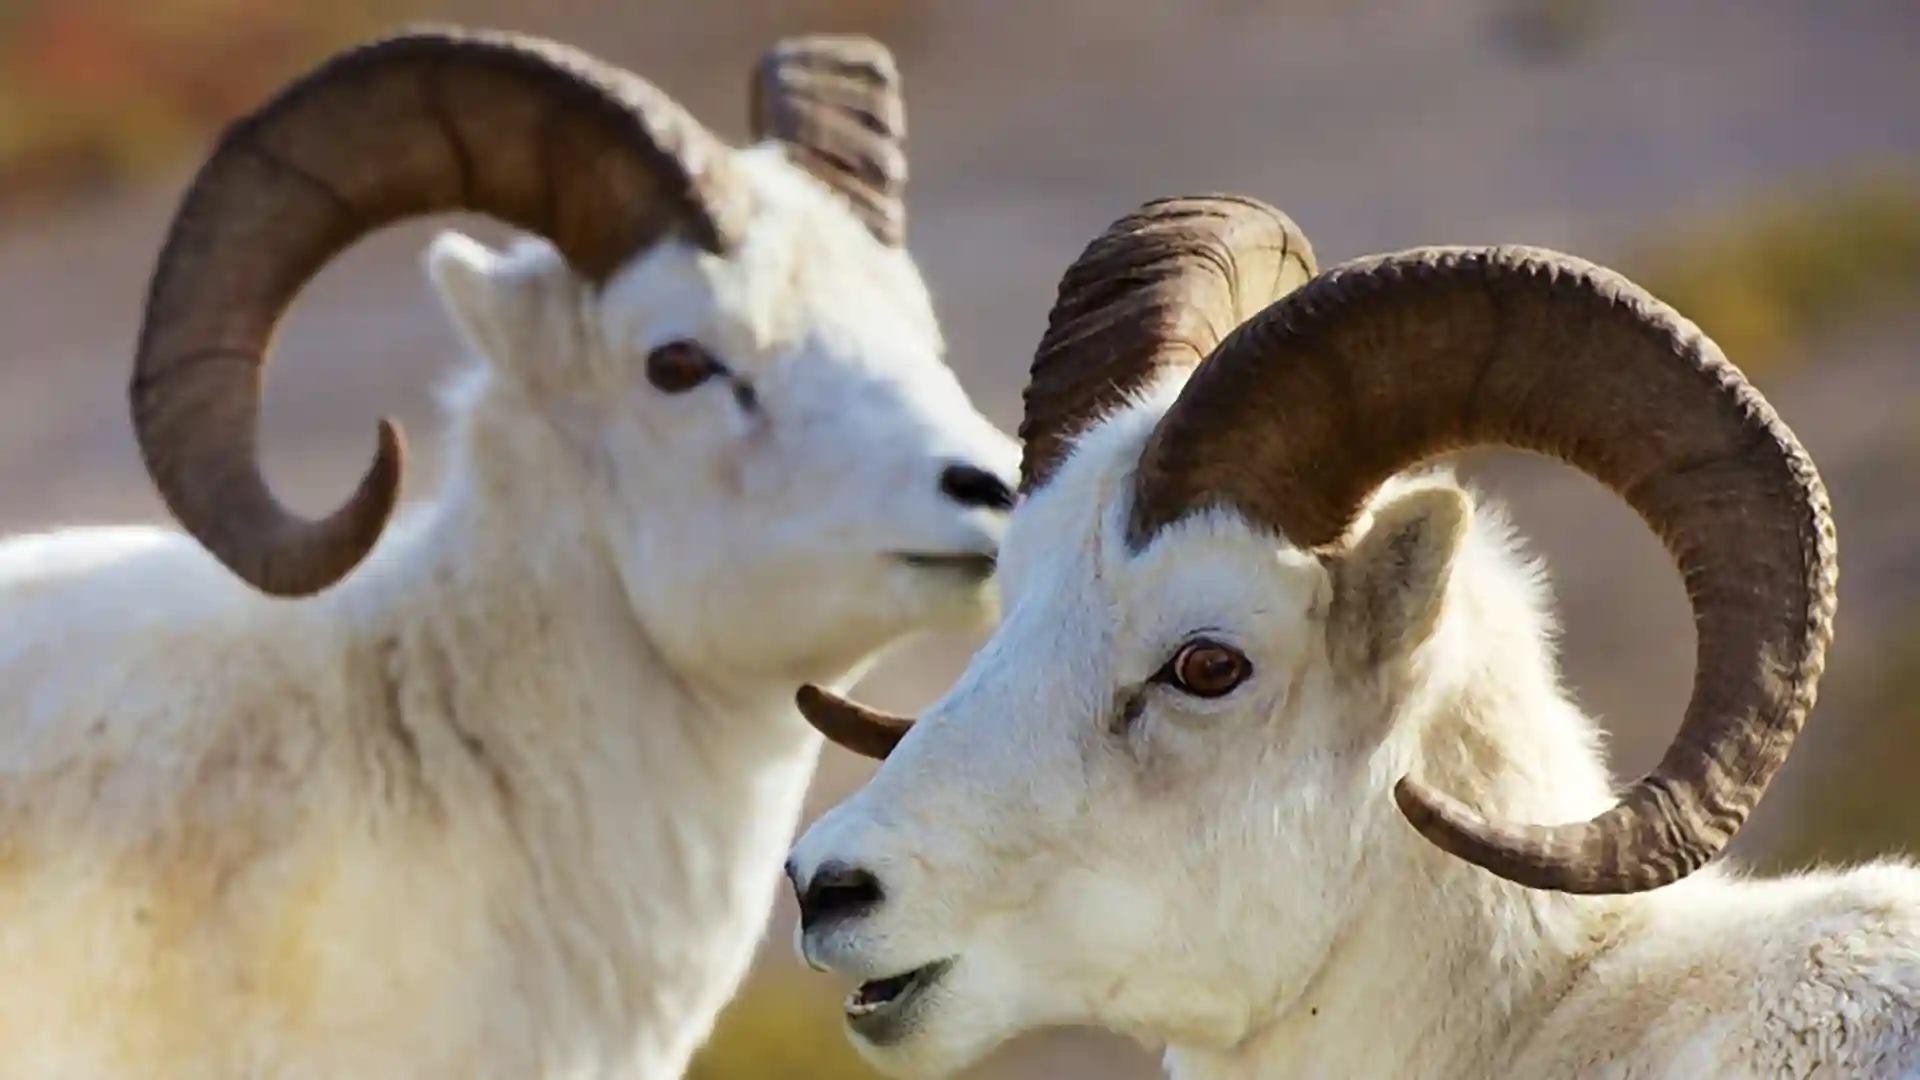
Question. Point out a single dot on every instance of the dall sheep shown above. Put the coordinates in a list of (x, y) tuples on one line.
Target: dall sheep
[(508, 798), (1250, 633)]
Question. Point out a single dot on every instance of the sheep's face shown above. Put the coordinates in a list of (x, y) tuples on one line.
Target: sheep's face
[(1145, 802), (787, 471)]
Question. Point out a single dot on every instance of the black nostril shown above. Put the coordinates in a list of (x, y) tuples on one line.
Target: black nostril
[(837, 891), (970, 485)]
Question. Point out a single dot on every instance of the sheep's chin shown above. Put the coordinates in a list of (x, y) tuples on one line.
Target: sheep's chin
[(944, 1025), (960, 596)]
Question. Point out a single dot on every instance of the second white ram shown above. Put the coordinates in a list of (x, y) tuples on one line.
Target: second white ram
[(1248, 640)]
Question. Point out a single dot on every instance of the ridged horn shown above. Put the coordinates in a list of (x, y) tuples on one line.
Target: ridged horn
[(528, 131), (1305, 409), (1157, 290), (835, 101)]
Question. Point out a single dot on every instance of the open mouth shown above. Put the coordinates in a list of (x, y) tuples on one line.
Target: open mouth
[(876, 1009), (971, 563)]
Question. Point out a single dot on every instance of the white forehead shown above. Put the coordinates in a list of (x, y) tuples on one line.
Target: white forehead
[(1066, 552), (1075, 523), (805, 266), (1074, 527)]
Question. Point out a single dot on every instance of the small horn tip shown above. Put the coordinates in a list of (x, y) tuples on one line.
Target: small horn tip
[(357, 525), (848, 725), (373, 505), (389, 459), (1418, 812), (1440, 818)]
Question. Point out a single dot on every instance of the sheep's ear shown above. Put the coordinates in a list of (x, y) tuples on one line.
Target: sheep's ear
[(479, 294), (1388, 591)]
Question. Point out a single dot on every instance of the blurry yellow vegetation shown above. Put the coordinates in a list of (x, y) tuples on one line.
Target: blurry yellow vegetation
[(96, 92), (1762, 277), (93, 92), (780, 1029), (1861, 805)]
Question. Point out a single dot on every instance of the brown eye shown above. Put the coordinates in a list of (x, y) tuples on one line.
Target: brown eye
[(679, 366), (1208, 669)]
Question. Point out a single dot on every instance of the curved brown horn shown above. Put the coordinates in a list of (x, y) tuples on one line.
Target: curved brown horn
[(528, 131), (835, 101), (851, 726), (1382, 363), (1158, 289)]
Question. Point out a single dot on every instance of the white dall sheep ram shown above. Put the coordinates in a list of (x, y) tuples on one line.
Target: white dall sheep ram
[(510, 799), (1171, 794)]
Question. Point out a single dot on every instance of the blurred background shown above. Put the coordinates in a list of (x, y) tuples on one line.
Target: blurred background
[(1755, 162)]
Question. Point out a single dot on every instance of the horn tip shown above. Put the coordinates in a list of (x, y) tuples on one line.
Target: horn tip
[(1445, 822), (389, 467), (1417, 805)]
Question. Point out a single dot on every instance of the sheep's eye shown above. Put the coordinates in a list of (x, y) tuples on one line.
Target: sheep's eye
[(1208, 669), (679, 366)]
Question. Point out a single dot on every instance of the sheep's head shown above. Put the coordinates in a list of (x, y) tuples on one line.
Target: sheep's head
[(1225, 594), (735, 341)]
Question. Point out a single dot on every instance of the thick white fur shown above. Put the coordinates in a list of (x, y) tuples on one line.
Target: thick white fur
[(511, 800), (1230, 879)]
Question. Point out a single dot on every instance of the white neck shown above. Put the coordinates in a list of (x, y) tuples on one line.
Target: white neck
[(1446, 987), (629, 818)]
